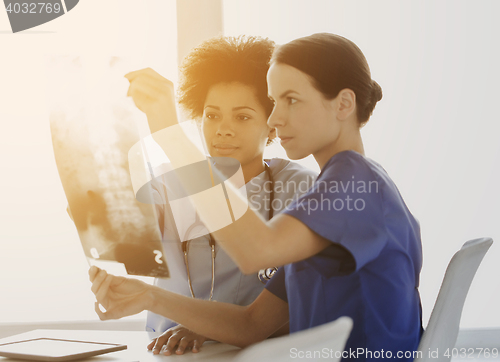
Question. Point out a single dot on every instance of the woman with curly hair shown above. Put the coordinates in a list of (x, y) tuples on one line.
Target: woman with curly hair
[(349, 246), (223, 87)]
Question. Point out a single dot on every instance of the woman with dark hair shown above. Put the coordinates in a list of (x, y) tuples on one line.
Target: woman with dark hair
[(349, 246), (223, 87)]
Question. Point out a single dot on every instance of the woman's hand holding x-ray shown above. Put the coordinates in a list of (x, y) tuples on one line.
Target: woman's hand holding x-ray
[(154, 95), (118, 295)]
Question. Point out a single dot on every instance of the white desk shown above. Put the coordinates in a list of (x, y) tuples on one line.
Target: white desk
[(136, 346), (137, 342)]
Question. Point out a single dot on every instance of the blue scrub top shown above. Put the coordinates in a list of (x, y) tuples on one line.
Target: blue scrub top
[(369, 273)]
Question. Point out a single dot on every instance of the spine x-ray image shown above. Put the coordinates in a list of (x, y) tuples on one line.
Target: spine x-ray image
[(93, 125)]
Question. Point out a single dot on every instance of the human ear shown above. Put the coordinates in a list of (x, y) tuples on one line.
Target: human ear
[(346, 104)]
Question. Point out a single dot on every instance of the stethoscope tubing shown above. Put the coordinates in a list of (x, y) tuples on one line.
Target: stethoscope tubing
[(263, 275), (185, 248)]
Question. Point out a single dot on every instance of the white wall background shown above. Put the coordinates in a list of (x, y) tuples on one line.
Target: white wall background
[(43, 271), (436, 130)]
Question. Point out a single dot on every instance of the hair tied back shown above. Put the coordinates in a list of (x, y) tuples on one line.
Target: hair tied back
[(376, 93)]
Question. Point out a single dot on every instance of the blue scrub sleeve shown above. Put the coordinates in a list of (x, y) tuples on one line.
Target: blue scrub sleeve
[(345, 207), (334, 261), (276, 284)]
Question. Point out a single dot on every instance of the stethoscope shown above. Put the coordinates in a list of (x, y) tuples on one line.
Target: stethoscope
[(264, 275), (185, 249)]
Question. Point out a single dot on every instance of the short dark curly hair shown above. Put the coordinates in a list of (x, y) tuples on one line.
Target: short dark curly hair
[(243, 59)]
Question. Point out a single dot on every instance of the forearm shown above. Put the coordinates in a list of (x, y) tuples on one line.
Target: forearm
[(244, 238), (223, 322), (283, 331), (251, 242)]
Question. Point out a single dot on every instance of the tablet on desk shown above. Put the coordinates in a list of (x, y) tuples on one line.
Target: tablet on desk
[(53, 349)]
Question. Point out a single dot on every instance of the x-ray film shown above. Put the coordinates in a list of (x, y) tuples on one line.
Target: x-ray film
[(93, 126)]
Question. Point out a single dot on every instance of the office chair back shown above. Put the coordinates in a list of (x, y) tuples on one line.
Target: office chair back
[(442, 330), (326, 339)]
